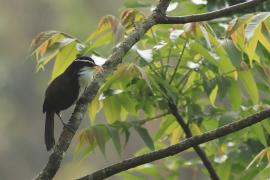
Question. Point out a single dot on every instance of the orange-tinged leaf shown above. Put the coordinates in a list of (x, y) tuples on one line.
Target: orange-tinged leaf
[(44, 47), (190, 28), (130, 17), (107, 24), (236, 23), (238, 38), (109, 30), (42, 38)]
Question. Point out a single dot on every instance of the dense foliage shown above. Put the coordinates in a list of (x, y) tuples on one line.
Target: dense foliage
[(215, 73)]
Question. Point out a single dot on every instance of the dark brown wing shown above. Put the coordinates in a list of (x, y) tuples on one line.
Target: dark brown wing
[(61, 93)]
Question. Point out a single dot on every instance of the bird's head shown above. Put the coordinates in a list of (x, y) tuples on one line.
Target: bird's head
[(86, 62)]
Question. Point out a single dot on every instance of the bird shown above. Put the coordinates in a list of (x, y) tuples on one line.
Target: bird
[(65, 90)]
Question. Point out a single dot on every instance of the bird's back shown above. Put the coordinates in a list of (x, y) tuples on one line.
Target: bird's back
[(61, 93)]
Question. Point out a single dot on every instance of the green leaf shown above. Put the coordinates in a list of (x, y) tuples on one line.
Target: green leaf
[(64, 58), (213, 95), (258, 157), (45, 59), (86, 142), (257, 129), (145, 137), (123, 114), (225, 170), (235, 95), (127, 134), (225, 64), (136, 4), (266, 125), (164, 125), (198, 48), (210, 124), (129, 176), (148, 169), (112, 109), (165, 88), (144, 76), (176, 135), (248, 81), (101, 132), (127, 103), (264, 39), (115, 139), (251, 46), (233, 52), (264, 174), (205, 35), (93, 108)]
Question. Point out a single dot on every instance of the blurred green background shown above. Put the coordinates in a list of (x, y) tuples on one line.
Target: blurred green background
[(22, 149)]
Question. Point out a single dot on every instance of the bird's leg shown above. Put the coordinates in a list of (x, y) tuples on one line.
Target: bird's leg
[(59, 115), (66, 125)]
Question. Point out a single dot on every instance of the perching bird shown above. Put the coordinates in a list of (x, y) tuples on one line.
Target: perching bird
[(64, 90)]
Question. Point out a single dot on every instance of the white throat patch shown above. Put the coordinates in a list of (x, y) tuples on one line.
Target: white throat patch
[(86, 76)]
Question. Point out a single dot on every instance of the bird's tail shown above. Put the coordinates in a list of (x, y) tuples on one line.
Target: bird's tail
[(49, 130)]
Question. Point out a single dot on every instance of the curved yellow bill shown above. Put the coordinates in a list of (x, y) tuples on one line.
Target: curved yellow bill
[(99, 69)]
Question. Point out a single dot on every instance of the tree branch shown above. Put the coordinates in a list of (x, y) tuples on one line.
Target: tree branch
[(177, 148), (119, 52), (208, 16), (199, 151)]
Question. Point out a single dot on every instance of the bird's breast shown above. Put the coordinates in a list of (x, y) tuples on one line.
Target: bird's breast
[(86, 76)]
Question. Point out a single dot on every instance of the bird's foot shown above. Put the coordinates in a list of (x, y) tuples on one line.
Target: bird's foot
[(66, 125)]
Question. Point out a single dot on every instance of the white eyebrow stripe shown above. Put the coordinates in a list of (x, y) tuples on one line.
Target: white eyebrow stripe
[(81, 60)]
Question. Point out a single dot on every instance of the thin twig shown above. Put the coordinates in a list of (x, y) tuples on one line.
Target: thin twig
[(143, 121), (179, 60), (183, 81), (158, 51), (168, 60)]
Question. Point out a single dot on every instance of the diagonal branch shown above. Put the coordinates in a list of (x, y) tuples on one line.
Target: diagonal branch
[(198, 150), (177, 148), (119, 52), (208, 16)]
